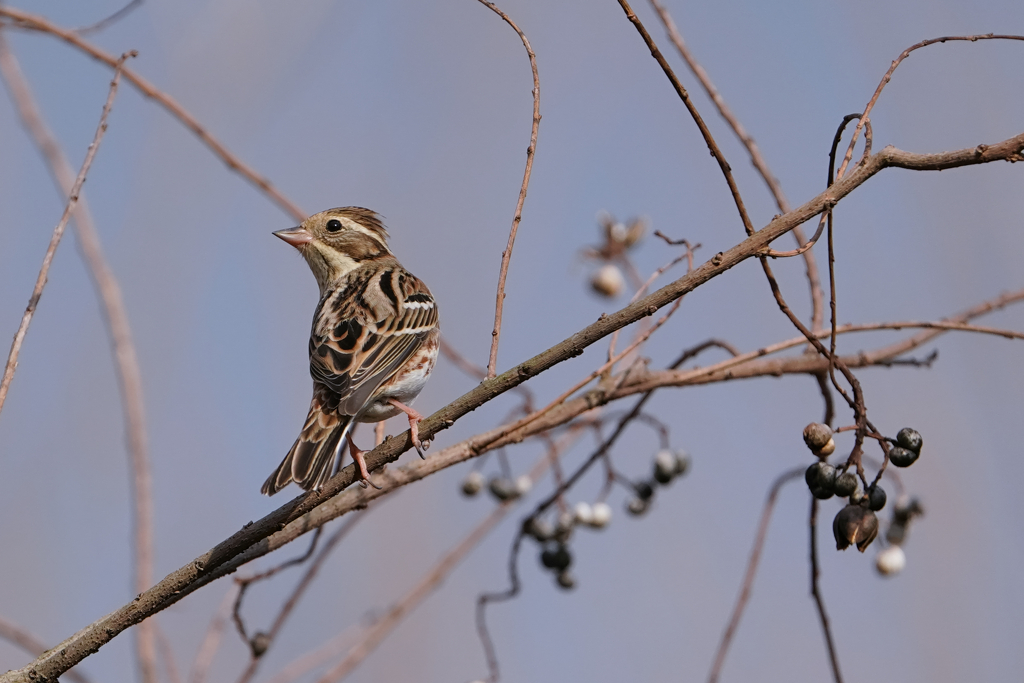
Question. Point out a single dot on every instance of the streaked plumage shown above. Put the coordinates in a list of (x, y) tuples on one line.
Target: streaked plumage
[(372, 346)]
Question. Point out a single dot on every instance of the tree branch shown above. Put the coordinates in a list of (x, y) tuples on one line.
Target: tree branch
[(506, 256)]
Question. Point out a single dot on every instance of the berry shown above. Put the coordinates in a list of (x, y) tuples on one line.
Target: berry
[(816, 436), (876, 498), (636, 507), (608, 281), (502, 488), (845, 484), (854, 524), (566, 580), (682, 463), (472, 484), (910, 439), (523, 485), (584, 514), (820, 475), (891, 561), (664, 466), (539, 529), (902, 457), (556, 558), (601, 514), (644, 491)]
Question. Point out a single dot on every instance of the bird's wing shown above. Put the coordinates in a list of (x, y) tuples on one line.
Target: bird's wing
[(364, 332)]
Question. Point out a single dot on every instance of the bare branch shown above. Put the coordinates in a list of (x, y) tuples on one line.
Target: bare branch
[(296, 595), (888, 76), (381, 628), (816, 592), (685, 97), (211, 640), (109, 20), (752, 564), (811, 264), (506, 256)]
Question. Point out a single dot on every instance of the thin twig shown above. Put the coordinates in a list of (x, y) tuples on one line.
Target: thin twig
[(758, 161), (214, 634), (888, 76), (293, 599), (24, 20), (166, 652), (600, 453), (643, 289), (107, 21), (752, 564), (685, 97), (596, 373), (506, 256), (246, 581), (126, 359), (816, 592), (58, 233), (381, 628)]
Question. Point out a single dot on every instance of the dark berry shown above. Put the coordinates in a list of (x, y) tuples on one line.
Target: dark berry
[(854, 524), (845, 484), (902, 457), (644, 491), (557, 558), (820, 475), (876, 498), (910, 439)]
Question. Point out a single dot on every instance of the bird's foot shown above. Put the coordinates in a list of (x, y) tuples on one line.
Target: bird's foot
[(414, 424)]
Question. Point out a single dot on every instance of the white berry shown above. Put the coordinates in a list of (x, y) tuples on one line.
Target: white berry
[(600, 515), (608, 280), (584, 513), (891, 561)]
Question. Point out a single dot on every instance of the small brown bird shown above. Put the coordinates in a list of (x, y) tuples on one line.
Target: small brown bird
[(372, 347)]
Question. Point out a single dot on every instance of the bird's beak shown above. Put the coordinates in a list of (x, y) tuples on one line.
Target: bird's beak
[(295, 236)]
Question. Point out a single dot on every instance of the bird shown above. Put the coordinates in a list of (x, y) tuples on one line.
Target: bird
[(373, 343)]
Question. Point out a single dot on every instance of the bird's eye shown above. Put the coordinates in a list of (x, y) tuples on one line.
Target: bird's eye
[(333, 225)]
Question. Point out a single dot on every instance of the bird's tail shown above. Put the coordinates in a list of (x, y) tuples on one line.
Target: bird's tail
[(311, 460)]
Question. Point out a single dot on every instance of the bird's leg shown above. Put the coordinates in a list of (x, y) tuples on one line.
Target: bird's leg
[(357, 458), (414, 424)]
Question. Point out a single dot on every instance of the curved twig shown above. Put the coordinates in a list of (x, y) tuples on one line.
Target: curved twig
[(506, 256)]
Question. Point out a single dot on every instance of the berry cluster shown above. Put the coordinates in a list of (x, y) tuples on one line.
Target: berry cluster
[(554, 538), (502, 488), (856, 524), (667, 466)]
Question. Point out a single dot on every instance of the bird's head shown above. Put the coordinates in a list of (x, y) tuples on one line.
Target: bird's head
[(336, 241)]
